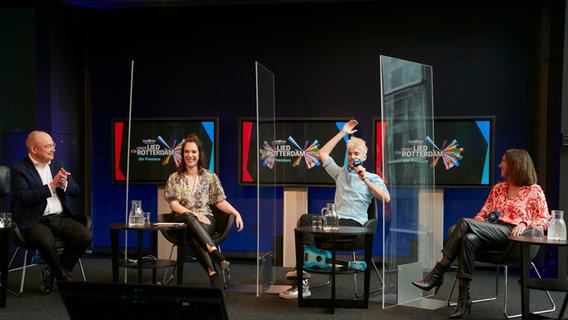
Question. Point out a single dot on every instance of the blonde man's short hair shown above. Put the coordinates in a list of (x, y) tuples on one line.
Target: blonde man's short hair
[(357, 144)]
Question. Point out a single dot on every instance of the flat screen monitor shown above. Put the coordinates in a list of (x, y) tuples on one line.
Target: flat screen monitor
[(101, 301), (461, 150), (288, 154), (155, 147)]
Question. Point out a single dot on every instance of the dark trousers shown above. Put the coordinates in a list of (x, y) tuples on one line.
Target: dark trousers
[(75, 234), (198, 235), (468, 236)]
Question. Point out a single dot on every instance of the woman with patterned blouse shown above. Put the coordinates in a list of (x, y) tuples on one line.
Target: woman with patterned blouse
[(190, 191), (518, 202)]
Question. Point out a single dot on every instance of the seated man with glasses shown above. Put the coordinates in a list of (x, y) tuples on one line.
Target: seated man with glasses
[(40, 190)]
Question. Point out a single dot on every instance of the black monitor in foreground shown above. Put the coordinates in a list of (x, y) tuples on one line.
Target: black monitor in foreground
[(101, 301)]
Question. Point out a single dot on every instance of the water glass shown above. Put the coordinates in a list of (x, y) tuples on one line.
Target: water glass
[(537, 231), (5, 219), (317, 222), (147, 218)]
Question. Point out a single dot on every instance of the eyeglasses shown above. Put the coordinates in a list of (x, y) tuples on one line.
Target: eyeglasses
[(49, 146)]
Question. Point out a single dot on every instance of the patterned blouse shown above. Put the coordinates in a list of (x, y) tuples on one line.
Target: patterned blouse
[(208, 190), (528, 206)]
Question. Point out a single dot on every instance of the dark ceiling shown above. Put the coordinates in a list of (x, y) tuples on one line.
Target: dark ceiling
[(172, 3)]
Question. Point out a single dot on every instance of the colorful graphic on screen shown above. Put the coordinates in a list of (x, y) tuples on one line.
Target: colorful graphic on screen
[(289, 151), (155, 147), (466, 161), (451, 155)]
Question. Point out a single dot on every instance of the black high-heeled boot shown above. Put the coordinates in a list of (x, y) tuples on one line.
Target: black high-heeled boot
[(220, 259), (434, 279), (464, 303)]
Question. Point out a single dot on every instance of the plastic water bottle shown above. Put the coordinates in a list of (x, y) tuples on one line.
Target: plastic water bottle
[(557, 226), (136, 215)]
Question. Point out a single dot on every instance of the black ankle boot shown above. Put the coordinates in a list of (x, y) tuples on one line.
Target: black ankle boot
[(434, 279), (220, 259), (464, 303)]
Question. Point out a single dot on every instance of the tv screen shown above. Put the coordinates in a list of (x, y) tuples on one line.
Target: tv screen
[(155, 147), (288, 152), (461, 151)]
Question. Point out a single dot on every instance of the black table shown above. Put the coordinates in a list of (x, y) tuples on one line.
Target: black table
[(141, 263), (4, 248), (560, 283), (343, 232)]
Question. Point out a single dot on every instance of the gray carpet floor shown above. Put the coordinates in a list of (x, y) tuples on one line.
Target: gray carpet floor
[(243, 304)]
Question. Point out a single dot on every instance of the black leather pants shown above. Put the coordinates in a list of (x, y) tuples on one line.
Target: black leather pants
[(468, 236), (198, 235)]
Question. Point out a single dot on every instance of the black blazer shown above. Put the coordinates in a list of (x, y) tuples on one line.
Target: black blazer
[(29, 194)]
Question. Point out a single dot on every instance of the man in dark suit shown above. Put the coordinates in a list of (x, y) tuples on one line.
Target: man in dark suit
[(40, 190)]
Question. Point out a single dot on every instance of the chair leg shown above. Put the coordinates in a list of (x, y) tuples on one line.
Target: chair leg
[(508, 316), (357, 296), (23, 268), (82, 269), (166, 278)]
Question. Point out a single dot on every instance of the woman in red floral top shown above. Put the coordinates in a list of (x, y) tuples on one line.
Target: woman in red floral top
[(518, 202), (190, 191)]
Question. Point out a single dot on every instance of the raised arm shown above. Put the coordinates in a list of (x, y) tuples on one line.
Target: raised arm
[(348, 128)]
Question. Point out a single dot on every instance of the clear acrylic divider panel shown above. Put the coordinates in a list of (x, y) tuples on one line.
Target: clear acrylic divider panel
[(266, 190), (409, 244)]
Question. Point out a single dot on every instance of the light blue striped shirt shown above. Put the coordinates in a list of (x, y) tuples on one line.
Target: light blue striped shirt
[(352, 196)]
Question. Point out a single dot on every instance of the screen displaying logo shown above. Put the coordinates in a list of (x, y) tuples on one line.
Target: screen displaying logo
[(289, 151)]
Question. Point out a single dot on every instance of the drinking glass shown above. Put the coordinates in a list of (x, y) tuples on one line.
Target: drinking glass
[(317, 222), (6, 219), (537, 231)]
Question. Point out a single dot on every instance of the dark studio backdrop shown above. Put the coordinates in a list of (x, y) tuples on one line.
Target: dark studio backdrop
[(198, 61)]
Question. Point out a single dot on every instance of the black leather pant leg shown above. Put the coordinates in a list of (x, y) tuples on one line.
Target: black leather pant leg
[(199, 235), (202, 255), (468, 236), (470, 244)]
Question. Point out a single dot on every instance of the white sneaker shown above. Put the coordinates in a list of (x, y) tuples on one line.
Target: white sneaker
[(293, 275), (292, 293)]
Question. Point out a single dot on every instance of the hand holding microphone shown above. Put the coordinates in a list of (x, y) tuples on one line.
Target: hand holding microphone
[(358, 165)]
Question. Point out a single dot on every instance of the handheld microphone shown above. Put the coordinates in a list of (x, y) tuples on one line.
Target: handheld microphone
[(357, 163), (493, 216)]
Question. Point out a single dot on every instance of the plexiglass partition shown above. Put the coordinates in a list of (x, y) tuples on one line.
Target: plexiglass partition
[(410, 243), (266, 194)]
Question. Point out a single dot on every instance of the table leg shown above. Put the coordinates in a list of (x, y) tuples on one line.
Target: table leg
[(140, 254), (181, 257), (561, 274), (298, 240), (368, 258), (525, 276), (154, 252), (333, 261), (114, 253), (4, 246)]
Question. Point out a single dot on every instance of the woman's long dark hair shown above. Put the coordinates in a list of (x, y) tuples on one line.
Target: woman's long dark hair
[(183, 166)]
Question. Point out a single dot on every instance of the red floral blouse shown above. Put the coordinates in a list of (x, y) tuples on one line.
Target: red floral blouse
[(528, 206)]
